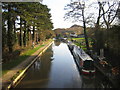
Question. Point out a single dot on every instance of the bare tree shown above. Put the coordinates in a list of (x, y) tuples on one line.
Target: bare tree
[(109, 11), (118, 13), (76, 13)]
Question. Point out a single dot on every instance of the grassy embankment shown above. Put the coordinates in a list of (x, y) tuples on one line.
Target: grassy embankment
[(23, 56), (81, 42)]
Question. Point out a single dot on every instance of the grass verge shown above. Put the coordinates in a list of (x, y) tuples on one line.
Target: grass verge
[(7, 66), (81, 42)]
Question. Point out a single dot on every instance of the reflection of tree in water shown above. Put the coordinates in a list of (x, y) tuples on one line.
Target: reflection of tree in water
[(44, 59), (38, 74), (96, 81), (46, 62), (37, 65), (57, 43), (88, 81), (45, 66)]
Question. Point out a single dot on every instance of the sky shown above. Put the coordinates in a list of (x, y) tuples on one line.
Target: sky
[(58, 12)]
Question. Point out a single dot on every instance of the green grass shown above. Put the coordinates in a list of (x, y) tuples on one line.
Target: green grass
[(31, 51), (7, 66), (81, 42), (82, 46), (78, 38)]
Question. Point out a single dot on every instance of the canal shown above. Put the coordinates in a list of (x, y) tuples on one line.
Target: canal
[(56, 68)]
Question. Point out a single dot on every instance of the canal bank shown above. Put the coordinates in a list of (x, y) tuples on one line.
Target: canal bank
[(54, 69), (22, 68), (105, 71)]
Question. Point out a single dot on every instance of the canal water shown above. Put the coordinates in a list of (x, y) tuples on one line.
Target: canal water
[(56, 68)]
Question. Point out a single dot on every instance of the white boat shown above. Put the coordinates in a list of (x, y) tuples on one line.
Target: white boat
[(84, 61), (70, 45)]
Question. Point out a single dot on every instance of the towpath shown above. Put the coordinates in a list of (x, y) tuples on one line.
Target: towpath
[(6, 79)]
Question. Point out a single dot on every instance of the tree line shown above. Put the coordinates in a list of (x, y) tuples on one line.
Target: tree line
[(103, 25), (24, 23), (106, 31)]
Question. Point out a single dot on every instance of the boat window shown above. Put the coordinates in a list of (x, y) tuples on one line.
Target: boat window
[(88, 65)]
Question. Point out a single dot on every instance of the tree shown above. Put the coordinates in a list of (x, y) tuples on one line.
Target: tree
[(20, 12), (76, 11), (118, 13), (97, 38), (4, 31), (10, 30), (109, 12), (105, 17)]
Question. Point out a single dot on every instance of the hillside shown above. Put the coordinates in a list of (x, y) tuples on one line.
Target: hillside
[(76, 28), (73, 29)]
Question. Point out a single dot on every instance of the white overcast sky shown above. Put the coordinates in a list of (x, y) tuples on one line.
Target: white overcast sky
[(57, 12)]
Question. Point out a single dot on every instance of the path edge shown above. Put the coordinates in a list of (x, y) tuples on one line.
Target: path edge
[(12, 84)]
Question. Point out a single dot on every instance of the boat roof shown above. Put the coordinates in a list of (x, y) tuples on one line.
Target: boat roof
[(82, 54), (70, 43)]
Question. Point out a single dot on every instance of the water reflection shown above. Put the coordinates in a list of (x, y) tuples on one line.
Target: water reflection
[(98, 80), (37, 75), (36, 66), (54, 69), (64, 73), (57, 42), (88, 81)]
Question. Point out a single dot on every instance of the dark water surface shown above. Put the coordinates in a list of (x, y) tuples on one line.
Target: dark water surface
[(56, 68)]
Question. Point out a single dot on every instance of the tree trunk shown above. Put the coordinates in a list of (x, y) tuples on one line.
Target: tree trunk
[(86, 37), (9, 36), (97, 28), (15, 35), (30, 37), (21, 36), (33, 36), (24, 38), (25, 35)]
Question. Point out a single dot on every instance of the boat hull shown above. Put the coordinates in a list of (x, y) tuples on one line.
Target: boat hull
[(80, 64)]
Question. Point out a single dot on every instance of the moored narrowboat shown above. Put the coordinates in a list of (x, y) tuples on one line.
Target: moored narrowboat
[(83, 60)]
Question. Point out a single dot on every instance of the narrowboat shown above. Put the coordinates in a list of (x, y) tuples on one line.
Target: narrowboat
[(70, 45), (83, 60)]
